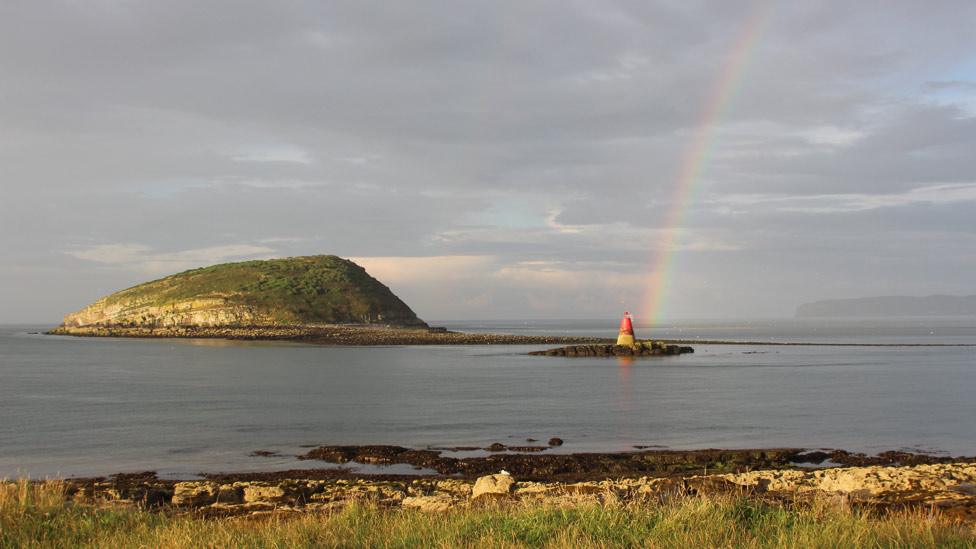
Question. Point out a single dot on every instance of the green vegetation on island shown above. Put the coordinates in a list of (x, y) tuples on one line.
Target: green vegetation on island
[(296, 291)]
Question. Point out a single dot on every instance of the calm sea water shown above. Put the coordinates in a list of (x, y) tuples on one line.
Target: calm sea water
[(76, 406)]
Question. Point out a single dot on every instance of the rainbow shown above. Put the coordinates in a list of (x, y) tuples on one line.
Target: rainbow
[(697, 154)]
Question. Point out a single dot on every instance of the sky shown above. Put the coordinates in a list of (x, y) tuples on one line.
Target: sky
[(511, 159)]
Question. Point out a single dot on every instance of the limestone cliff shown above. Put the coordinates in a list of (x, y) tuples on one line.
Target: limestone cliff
[(280, 292)]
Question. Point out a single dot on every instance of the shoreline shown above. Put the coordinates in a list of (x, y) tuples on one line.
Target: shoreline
[(890, 480), (533, 463), (351, 335)]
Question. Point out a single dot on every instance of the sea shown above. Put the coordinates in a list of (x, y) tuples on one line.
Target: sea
[(96, 406)]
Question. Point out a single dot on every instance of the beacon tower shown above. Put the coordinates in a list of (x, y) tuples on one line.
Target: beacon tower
[(626, 335)]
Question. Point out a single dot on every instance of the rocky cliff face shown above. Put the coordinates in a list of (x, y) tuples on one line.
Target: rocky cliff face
[(284, 292), (193, 312)]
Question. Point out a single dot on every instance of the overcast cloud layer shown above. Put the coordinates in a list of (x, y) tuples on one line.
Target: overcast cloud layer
[(504, 159)]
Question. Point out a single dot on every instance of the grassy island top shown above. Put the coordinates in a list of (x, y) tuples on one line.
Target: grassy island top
[(318, 289)]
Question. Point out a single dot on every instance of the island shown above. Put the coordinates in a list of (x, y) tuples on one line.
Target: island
[(321, 299)]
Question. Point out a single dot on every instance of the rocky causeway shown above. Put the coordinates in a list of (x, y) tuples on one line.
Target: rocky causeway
[(332, 334)]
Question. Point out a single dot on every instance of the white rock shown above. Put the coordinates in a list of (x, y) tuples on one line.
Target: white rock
[(493, 486)]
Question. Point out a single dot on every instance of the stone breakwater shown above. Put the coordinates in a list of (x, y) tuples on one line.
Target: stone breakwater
[(338, 334), (950, 487), (641, 349)]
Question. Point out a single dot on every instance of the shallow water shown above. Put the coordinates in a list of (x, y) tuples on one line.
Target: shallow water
[(84, 406)]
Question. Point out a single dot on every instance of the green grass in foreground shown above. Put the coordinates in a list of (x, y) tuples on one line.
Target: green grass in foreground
[(36, 516)]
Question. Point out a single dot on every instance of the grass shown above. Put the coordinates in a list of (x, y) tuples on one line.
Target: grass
[(36, 515)]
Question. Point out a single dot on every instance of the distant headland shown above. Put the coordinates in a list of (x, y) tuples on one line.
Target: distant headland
[(882, 306)]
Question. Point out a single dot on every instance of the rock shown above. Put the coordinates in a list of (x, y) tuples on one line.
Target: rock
[(555, 441), (194, 494), (711, 485), (436, 503), (968, 489), (110, 494), (949, 487), (816, 457), (156, 497), (493, 486), (459, 488), (254, 493), (535, 490), (863, 483), (496, 447), (644, 348), (528, 448), (583, 488), (230, 494)]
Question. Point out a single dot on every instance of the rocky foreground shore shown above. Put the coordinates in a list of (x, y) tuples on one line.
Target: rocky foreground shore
[(950, 487), (338, 334), (887, 480)]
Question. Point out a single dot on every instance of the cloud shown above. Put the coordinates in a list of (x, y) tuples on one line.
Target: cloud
[(552, 221), (950, 193), (359, 160), (490, 159), (112, 254), (960, 85), (427, 270), (144, 259), (832, 135), (552, 275), (273, 154), (446, 284)]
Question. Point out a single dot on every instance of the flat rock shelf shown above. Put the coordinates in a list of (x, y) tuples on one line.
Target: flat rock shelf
[(641, 349)]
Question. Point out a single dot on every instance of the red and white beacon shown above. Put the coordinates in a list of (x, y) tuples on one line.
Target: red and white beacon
[(626, 335)]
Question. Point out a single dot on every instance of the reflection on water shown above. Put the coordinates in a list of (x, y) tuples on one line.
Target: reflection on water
[(625, 402), (625, 361), (207, 342), (214, 342), (624, 367)]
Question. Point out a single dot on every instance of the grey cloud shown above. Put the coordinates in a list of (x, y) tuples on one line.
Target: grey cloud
[(543, 136), (962, 85)]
